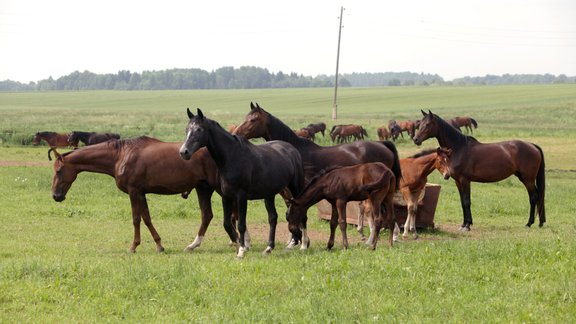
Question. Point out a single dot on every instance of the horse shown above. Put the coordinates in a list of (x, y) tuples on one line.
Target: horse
[(318, 128), (91, 138), (373, 182), (305, 133), (315, 158), (141, 166), (472, 161), (415, 171), (407, 126), (465, 121), (247, 171), (54, 140), (383, 133), (343, 133)]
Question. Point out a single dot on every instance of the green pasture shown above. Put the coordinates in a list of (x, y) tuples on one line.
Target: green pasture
[(67, 262)]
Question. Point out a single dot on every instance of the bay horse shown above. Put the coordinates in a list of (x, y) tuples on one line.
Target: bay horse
[(247, 171), (415, 171), (464, 121), (315, 158), (383, 133), (397, 128), (472, 161), (373, 182), (141, 166), (344, 133), (91, 138), (54, 140), (305, 133)]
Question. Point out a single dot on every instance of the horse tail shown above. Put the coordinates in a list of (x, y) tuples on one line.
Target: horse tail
[(541, 188), (473, 121), (396, 164)]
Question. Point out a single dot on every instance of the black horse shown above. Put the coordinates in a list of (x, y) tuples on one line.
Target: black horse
[(91, 138), (247, 171)]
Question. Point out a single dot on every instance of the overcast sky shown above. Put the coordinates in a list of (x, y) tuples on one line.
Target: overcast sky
[(452, 38)]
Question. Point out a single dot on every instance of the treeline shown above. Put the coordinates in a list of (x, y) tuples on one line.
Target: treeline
[(249, 77)]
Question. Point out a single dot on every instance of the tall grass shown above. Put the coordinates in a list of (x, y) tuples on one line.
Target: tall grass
[(67, 262)]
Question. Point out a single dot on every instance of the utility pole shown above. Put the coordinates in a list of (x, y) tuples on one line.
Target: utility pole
[(335, 104)]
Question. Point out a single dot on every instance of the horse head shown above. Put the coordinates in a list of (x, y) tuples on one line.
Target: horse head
[(64, 176), (254, 124), (294, 215), (428, 127), (443, 162), (196, 134)]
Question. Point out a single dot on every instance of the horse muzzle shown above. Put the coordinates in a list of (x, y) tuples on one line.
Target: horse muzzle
[(58, 197), (417, 141)]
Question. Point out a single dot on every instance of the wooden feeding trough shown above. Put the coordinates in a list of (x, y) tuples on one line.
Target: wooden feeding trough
[(424, 216)]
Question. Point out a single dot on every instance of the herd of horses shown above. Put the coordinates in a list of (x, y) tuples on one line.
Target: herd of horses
[(211, 158)]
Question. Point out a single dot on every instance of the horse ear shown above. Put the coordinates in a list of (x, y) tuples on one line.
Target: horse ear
[(190, 114), (430, 111), (258, 106), (252, 107), (200, 114), (423, 113)]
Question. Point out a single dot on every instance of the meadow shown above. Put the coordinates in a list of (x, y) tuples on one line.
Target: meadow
[(67, 262)]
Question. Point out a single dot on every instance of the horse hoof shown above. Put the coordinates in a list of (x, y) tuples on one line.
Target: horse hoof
[(530, 225), (241, 252), (160, 250), (291, 245), (465, 229)]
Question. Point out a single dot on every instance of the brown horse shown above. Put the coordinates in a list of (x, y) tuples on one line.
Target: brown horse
[(383, 133), (316, 158), (415, 171), (471, 160), (407, 126), (140, 166), (90, 138), (305, 133), (465, 121), (345, 133), (373, 182), (54, 140)]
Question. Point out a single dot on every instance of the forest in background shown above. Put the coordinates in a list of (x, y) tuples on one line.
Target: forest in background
[(250, 77)]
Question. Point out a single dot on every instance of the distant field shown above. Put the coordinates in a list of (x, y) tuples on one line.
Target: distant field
[(67, 262)]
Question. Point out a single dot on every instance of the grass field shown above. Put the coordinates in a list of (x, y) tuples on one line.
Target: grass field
[(67, 262)]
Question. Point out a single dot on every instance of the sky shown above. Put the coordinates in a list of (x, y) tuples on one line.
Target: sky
[(451, 38)]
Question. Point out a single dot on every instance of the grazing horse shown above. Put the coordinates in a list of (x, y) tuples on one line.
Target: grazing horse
[(54, 140), (91, 138), (247, 171), (404, 126), (305, 133), (471, 160), (343, 133), (373, 182), (316, 158), (140, 166), (415, 171), (318, 127), (467, 122)]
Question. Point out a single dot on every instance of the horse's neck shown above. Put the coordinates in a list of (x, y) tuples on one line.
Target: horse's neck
[(94, 159), (311, 195), (426, 164), (223, 147), (277, 130), (450, 137)]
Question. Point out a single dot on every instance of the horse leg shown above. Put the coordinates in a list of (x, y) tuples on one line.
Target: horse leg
[(361, 214), (341, 206), (204, 193), (49, 151), (532, 196), (227, 206), (272, 222), (140, 210), (333, 225), (376, 221), (464, 191), (242, 203)]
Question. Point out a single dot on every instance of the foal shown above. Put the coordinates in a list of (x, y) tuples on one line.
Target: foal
[(374, 182)]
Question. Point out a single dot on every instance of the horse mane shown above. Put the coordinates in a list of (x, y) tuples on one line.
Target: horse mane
[(47, 133), (283, 132), (422, 153), (452, 132)]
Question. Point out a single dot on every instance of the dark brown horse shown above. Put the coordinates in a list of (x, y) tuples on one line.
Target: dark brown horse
[(54, 140), (140, 166), (91, 138), (464, 121), (383, 133), (318, 128), (247, 171), (397, 128), (345, 133), (373, 182), (471, 160), (316, 158), (305, 133)]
